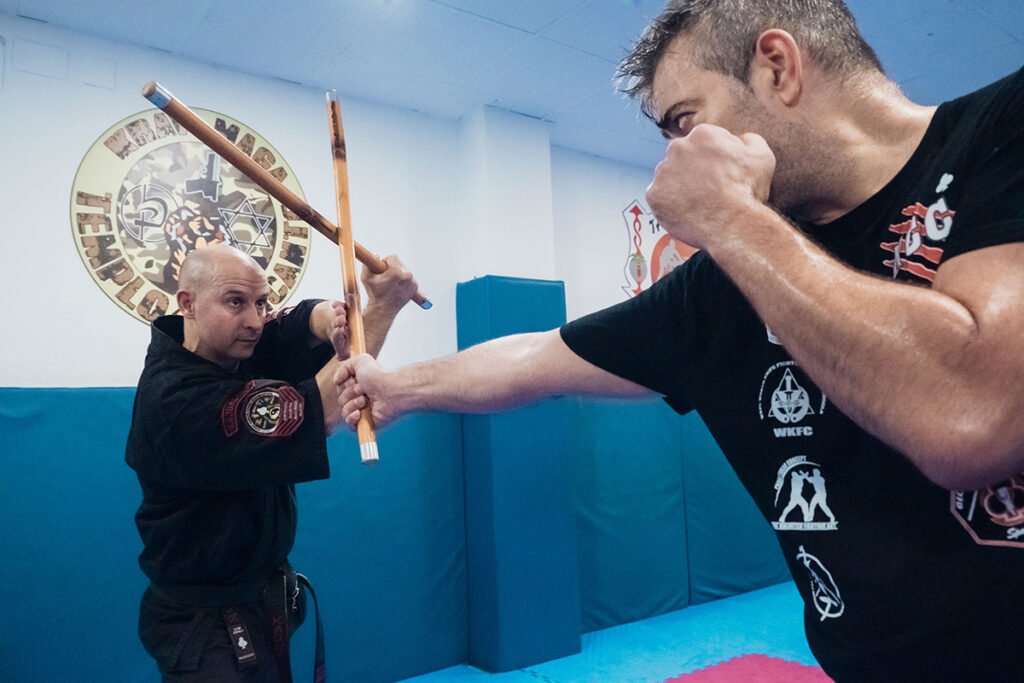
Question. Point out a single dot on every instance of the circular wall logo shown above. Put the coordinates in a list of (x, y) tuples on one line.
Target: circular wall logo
[(147, 192)]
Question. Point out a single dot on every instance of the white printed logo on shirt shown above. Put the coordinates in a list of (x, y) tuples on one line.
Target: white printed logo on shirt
[(787, 398), (824, 591), (800, 492)]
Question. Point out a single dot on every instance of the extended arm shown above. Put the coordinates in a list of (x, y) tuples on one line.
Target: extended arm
[(496, 375), (936, 373)]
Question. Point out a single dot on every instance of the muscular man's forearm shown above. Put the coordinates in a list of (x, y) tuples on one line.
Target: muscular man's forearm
[(914, 366), (501, 374)]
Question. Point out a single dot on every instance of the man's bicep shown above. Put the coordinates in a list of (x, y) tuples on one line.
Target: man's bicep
[(988, 283), (567, 372)]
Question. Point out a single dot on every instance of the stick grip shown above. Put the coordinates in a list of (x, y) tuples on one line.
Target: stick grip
[(346, 250), (190, 121)]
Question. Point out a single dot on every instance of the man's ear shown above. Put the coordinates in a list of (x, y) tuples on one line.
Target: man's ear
[(186, 304), (777, 68)]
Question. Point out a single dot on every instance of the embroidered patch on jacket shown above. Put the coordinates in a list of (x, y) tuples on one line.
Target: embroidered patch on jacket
[(266, 409)]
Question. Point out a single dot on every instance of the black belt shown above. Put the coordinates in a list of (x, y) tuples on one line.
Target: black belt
[(282, 602), (280, 592), (198, 595)]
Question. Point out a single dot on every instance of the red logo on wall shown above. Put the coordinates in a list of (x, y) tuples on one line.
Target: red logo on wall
[(653, 253)]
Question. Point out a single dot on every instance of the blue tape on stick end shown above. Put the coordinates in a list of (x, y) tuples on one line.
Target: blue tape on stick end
[(160, 96)]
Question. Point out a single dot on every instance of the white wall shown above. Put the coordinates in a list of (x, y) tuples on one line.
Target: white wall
[(510, 227), (592, 241), (410, 180)]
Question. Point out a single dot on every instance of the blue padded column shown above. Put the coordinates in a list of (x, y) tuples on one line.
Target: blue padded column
[(731, 548), (524, 604)]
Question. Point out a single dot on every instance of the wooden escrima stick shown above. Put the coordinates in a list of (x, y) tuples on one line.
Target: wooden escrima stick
[(190, 121), (357, 340)]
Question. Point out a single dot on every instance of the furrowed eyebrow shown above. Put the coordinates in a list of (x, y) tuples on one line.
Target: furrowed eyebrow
[(665, 122)]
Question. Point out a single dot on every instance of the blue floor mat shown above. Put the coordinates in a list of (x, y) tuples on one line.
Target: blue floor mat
[(767, 621)]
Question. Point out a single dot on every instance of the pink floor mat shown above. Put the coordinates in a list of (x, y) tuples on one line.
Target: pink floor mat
[(755, 669)]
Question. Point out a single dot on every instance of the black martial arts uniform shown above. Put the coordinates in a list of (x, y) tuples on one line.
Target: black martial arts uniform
[(217, 454)]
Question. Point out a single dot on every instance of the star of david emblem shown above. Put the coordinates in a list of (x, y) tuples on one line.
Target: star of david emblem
[(242, 236)]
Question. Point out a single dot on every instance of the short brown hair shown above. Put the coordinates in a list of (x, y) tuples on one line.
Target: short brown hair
[(727, 30)]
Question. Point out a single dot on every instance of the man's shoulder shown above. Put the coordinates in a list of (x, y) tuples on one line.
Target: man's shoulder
[(1007, 85), (990, 105), (692, 276)]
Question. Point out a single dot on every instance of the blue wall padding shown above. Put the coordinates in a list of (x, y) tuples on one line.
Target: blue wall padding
[(69, 578), (732, 548), (579, 514), (520, 525), (520, 549), (384, 547), (495, 306), (627, 462)]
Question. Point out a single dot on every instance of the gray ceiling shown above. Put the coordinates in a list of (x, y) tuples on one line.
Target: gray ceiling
[(549, 59)]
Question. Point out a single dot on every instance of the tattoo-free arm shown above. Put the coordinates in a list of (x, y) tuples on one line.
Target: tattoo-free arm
[(387, 293), (497, 375), (936, 373)]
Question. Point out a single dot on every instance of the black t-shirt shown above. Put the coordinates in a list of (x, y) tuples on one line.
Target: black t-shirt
[(218, 452), (901, 579)]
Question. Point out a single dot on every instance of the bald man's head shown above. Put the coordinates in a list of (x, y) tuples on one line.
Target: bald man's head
[(201, 264), (222, 295)]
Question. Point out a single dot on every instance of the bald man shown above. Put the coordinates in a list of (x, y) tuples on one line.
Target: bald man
[(232, 410)]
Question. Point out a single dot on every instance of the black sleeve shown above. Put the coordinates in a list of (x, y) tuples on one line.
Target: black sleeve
[(650, 339), (287, 349), (990, 206), (214, 432)]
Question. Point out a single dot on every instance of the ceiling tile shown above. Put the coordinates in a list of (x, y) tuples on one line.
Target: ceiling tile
[(942, 44), (605, 28), (544, 75), (161, 25), (1008, 14), (319, 25), (972, 72), (425, 39), (525, 16), (552, 59), (414, 93), (875, 15)]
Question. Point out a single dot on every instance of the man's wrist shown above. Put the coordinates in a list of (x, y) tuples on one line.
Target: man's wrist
[(747, 222), (380, 312)]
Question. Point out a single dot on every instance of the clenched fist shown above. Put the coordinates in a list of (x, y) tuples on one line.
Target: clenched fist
[(706, 181)]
